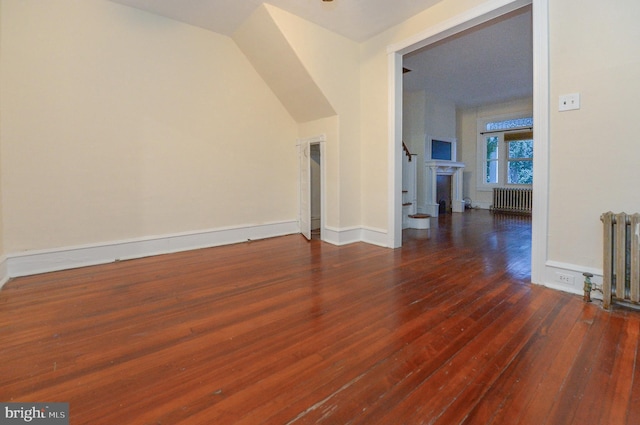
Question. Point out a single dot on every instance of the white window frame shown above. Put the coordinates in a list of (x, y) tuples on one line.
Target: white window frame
[(483, 159), (503, 159)]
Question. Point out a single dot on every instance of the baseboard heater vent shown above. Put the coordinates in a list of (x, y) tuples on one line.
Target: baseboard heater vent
[(512, 200), (621, 261)]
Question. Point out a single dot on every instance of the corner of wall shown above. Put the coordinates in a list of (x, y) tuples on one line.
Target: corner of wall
[(569, 278), (266, 47), (4, 271)]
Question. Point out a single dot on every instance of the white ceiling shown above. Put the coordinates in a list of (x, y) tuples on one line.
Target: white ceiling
[(488, 64), (355, 19)]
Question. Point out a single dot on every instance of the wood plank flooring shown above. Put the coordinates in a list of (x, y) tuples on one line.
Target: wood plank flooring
[(446, 330)]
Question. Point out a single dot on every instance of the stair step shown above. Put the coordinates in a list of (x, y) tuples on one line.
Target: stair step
[(419, 216)]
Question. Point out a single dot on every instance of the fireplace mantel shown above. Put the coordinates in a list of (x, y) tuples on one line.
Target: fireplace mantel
[(435, 168), (445, 168)]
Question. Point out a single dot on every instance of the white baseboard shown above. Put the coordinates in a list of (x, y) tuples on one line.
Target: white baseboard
[(374, 236), (341, 237), (557, 273), (351, 235), (482, 205), (36, 262), (4, 272)]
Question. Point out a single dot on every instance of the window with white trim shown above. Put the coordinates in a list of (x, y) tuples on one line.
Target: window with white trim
[(505, 152)]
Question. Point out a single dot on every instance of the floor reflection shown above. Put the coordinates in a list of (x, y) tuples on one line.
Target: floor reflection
[(501, 241)]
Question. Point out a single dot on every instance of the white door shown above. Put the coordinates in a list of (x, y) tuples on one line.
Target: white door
[(305, 189)]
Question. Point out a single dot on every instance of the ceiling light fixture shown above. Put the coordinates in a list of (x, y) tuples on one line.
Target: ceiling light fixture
[(328, 1)]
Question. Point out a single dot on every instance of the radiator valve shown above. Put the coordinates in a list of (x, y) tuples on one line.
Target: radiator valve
[(588, 287)]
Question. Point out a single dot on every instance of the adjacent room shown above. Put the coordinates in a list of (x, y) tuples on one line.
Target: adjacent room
[(467, 123)]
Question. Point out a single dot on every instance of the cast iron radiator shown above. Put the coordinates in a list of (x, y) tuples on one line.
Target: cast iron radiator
[(512, 200), (621, 261)]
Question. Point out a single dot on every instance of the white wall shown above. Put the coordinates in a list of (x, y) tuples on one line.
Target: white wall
[(425, 115), (440, 117), (333, 62), (375, 88), (467, 142), (595, 150), (263, 42), (119, 124), (413, 121)]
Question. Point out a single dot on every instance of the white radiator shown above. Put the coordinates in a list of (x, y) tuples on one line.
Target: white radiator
[(621, 262), (512, 200)]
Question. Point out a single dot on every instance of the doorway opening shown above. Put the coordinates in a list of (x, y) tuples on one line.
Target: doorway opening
[(312, 187), (316, 190), (541, 102)]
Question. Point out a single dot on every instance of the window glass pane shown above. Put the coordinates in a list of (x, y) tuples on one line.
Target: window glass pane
[(509, 124), (492, 148), (492, 172), (492, 159), (520, 172), (521, 149)]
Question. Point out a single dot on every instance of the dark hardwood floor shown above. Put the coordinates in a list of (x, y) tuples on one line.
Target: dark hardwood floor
[(446, 330)]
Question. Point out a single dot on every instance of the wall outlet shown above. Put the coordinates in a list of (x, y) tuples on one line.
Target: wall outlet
[(564, 278)]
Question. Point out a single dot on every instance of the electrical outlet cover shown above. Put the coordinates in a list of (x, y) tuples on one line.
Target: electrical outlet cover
[(569, 102)]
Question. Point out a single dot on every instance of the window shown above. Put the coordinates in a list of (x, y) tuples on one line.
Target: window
[(519, 158), (492, 159), (505, 152)]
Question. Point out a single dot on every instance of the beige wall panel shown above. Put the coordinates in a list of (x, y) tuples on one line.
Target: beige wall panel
[(334, 64), (120, 124), (594, 151)]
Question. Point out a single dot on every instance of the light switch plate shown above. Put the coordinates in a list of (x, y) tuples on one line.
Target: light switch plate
[(569, 102)]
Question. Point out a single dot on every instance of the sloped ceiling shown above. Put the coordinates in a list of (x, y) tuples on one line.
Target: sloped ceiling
[(489, 64), (355, 19), (486, 64), (261, 40)]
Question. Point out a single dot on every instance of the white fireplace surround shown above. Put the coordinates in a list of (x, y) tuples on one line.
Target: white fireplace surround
[(435, 168)]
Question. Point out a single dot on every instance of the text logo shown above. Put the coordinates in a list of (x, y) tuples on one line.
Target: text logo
[(34, 413)]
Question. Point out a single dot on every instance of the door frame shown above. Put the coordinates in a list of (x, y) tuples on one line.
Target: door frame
[(473, 17), (301, 144)]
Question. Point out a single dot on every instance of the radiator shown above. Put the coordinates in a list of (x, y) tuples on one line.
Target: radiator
[(511, 200), (621, 262)]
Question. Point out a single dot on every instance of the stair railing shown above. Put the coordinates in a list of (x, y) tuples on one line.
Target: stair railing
[(406, 151)]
